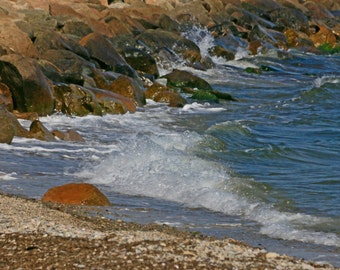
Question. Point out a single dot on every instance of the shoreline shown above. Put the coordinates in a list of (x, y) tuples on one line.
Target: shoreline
[(36, 235)]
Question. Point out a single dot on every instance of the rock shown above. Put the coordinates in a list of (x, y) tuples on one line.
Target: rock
[(6, 97), (128, 87), (292, 18), (181, 79), (7, 130), (69, 135), (26, 115), (155, 40), (141, 61), (29, 87), (164, 94), (219, 51), (76, 100), (13, 40), (40, 132), (103, 52), (65, 66), (52, 40), (323, 35), (113, 103), (76, 194)]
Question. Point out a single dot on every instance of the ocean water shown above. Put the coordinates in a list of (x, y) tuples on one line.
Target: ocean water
[(265, 169)]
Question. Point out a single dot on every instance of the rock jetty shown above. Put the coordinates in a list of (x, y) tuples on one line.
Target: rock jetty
[(81, 57)]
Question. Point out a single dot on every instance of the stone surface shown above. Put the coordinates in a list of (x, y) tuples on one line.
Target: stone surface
[(161, 93), (40, 132), (7, 129), (76, 194), (29, 87)]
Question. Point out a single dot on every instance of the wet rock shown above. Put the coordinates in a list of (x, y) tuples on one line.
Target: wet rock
[(181, 79), (75, 100), (164, 94), (323, 35), (292, 18), (76, 194), (26, 115), (103, 52), (7, 130), (130, 88), (40, 132), (69, 135), (298, 39), (141, 61), (113, 103), (219, 51), (155, 40), (29, 87)]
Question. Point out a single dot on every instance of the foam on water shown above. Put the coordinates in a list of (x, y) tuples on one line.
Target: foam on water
[(155, 158)]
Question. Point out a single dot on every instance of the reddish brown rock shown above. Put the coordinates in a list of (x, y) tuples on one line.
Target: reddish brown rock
[(76, 194), (40, 132), (323, 35), (128, 87), (113, 103), (6, 97), (164, 94), (7, 130), (69, 135), (76, 100), (15, 41)]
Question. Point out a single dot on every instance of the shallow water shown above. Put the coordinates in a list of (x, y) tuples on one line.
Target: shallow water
[(264, 170)]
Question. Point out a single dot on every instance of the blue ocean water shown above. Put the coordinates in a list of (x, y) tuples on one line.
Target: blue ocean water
[(264, 169)]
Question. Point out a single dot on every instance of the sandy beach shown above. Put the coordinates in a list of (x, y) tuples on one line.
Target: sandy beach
[(35, 235)]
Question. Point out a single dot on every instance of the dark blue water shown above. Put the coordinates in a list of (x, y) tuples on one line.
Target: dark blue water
[(264, 169)]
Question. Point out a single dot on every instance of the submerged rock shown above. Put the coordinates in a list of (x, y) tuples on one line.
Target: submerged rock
[(76, 194)]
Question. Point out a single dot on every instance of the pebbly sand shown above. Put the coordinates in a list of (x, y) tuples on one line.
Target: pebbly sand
[(35, 235)]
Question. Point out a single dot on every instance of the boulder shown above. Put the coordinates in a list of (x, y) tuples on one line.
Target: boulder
[(130, 88), (155, 40), (102, 51), (29, 87), (69, 135), (141, 61), (165, 94), (75, 100), (6, 97), (76, 194), (65, 66), (7, 129), (181, 79), (323, 35), (52, 40), (40, 132), (219, 51), (113, 103), (13, 40)]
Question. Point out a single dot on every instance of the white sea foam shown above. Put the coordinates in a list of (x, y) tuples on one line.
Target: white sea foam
[(319, 82), (161, 163), (8, 176)]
